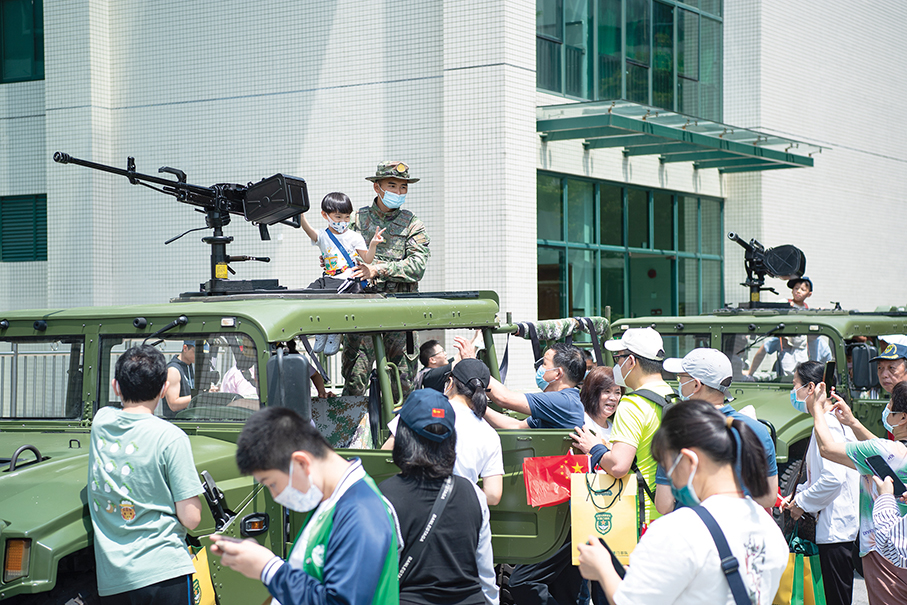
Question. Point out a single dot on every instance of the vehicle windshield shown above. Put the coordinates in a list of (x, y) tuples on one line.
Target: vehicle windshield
[(213, 377), (681, 344), (41, 378), (773, 359)]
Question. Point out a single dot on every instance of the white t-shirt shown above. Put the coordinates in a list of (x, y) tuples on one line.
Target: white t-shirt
[(478, 445), (676, 560), (334, 263), (600, 431)]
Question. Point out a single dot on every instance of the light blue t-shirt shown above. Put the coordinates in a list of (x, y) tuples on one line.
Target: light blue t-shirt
[(139, 466)]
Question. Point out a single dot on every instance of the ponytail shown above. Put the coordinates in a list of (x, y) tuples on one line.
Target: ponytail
[(722, 438), (475, 392)]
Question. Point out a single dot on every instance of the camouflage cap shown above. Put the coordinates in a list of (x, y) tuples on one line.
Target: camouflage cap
[(392, 170)]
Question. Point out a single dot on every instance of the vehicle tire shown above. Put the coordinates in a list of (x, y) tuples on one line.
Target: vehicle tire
[(786, 484)]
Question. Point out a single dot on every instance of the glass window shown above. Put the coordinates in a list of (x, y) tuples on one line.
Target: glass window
[(549, 38), (611, 213), (712, 286), (710, 6), (550, 217), (687, 286), (681, 344), (21, 40), (687, 224), (41, 378), (577, 41), (637, 83), (711, 70), (712, 236), (609, 34), (638, 218), (23, 228), (687, 44), (582, 283), (664, 221), (226, 363), (638, 31), (580, 207), (612, 283), (773, 359), (551, 282), (663, 55)]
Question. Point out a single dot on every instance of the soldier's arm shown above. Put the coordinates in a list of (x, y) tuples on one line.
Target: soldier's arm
[(412, 266), (174, 400)]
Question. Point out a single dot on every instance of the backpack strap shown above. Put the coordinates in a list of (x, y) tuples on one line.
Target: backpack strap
[(346, 255), (413, 551), (729, 564)]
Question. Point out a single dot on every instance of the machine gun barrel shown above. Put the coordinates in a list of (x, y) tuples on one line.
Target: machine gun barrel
[(134, 177), (743, 243)]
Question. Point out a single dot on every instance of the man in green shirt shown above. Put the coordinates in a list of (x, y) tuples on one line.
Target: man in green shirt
[(347, 551)]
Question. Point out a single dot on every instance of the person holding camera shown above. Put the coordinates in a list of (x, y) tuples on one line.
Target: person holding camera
[(886, 581), (677, 560), (829, 493)]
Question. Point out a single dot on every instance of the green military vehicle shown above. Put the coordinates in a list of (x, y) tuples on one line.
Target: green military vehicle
[(55, 373), (765, 344)]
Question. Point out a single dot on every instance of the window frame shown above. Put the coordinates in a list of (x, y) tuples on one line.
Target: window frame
[(37, 40)]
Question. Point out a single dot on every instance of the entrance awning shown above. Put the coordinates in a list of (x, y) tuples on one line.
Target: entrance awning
[(644, 130)]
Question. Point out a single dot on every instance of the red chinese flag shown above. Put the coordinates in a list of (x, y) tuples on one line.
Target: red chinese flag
[(548, 477)]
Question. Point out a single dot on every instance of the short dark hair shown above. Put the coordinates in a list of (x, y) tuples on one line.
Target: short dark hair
[(570, 359), (270, 437), (425, 351), (899, 397), (600, 379), (648, 366), (423, 458), (141, 373), (337, 202)]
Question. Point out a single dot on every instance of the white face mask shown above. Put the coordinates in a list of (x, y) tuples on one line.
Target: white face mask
[(294, 499), (339, 227), (619, 374)]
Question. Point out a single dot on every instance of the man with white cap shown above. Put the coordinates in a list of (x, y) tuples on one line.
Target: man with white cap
[(706, 374), (637, 355)]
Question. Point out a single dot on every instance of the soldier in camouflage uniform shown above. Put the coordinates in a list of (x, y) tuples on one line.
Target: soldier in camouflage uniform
[(398, 266)]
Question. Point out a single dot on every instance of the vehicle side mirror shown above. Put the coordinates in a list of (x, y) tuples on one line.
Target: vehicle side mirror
[(865, 372), (288, 383)]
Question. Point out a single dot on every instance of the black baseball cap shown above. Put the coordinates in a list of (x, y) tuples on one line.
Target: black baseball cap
[(424, 407), (793, 282), (470, 369)]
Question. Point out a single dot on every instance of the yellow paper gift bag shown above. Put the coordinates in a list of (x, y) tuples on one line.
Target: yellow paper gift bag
[(603, 506), (202, 587)]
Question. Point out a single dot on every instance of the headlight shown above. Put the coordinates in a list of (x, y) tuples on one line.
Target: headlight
[(15, 560)]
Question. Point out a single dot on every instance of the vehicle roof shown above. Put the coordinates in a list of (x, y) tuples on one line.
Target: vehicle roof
[(846, 323), (283, 315)]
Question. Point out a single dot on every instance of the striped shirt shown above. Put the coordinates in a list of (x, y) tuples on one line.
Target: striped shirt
[(890, 530)]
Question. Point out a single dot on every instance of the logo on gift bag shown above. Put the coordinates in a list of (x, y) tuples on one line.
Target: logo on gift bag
[(602, 522), (196, 591)]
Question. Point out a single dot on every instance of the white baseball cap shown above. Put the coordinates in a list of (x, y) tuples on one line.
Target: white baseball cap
[(894, 339), (645, 342), (711, 367)]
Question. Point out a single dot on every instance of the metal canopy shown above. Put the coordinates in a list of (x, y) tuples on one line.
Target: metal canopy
[(644, 130)]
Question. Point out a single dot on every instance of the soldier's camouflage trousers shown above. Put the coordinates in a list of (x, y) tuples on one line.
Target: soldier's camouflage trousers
[(358, 358)]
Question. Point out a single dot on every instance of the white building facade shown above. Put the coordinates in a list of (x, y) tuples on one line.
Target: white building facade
[(235, 91)]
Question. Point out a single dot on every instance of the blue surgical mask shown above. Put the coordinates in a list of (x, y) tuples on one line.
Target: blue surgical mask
[(296, 500), (686, 495), (680, 390), (339, 227), (540, 377), (392, 200), (888, 427), (799, 404)]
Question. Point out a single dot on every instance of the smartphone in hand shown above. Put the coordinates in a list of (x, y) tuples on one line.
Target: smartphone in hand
[(829, 377), (881, 470)]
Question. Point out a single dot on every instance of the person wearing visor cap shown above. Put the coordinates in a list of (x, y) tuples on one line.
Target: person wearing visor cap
[(892, 365), (453, 563), (398, 266), (706, 374)]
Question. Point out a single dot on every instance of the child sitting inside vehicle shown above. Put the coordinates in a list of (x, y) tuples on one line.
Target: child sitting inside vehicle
[(341, 252)]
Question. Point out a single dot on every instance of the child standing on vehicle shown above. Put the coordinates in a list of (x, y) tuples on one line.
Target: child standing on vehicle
[(801, 288), (341, 252), (143, 490)]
